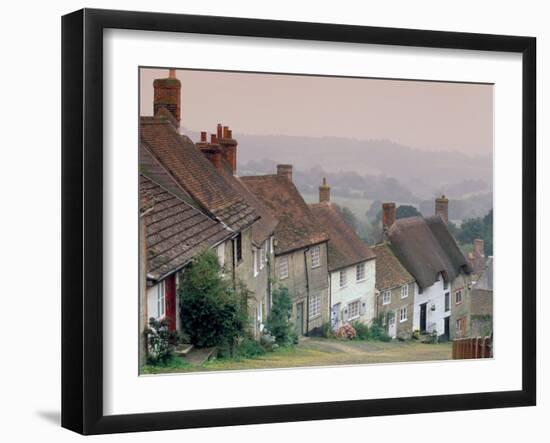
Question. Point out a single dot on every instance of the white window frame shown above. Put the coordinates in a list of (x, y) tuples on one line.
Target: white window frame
[(351, 315), (358, 267), (458, 294), (403, 314), (161, 300), (315, 257), (386, 300), (255, 260), (404, 291), (262, 255), (343, 278), (283, 265), (271, 244), (314, 306)]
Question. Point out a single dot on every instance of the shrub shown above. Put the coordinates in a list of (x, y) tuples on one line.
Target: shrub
[(212, 312), (346, 331), (327, 331), (416, 334), (377, 330), (246, 347), (160, 342), (362, 330), (278, 324)]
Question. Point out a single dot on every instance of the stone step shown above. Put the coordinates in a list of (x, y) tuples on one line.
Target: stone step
[(198, 356), (183, 349)]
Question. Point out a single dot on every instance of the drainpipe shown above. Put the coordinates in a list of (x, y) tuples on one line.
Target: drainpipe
[(307, 292)]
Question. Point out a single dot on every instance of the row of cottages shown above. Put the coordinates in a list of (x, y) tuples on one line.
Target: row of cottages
[(430, 255), (191, 200)]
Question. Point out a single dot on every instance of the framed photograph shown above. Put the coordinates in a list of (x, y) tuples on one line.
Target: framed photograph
[(269, 221)]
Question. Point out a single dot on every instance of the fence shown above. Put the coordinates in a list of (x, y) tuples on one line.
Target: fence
[(477, 347)]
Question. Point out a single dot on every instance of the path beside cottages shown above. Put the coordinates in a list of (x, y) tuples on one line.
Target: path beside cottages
[(330, 352)]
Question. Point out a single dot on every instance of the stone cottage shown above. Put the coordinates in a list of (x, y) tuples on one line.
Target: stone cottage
[(300, 248)]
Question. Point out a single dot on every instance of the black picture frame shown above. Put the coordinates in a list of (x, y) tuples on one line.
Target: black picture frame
[(82, 218)]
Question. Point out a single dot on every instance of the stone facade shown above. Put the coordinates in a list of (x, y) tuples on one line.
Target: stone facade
[(460, 301), (307, 285), (392, 309)]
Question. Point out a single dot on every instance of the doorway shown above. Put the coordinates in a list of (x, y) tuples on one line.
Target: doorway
[(423, 314)]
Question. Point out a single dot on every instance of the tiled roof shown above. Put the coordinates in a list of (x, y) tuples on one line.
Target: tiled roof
[(175, 231), (390, 273), (345, 247), (426, 247), (297, 227), (194, 173)]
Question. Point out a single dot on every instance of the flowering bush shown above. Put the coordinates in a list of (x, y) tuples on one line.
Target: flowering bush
[(346, 332)]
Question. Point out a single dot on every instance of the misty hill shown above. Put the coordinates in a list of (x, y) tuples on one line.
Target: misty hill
[(372, 170)]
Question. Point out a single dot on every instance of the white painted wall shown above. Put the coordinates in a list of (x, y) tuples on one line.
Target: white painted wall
[(363, 290), (434, 295)]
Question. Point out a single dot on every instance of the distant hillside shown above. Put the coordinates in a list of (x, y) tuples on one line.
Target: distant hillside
[(372, 170)]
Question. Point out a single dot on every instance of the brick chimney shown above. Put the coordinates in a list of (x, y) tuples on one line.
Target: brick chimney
[(285, 171), (479, 247), (168, 95), (212, 151), (324, 192), (442, 208), (228, 145), (388, 215)]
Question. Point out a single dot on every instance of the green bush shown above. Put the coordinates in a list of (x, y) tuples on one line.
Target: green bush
[(212, 312), (377, 331), (279, 324), (244, 348), (327, 331), (160, 342), (362, 330)]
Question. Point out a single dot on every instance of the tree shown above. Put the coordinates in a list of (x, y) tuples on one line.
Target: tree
[(471, 229), (348, 216), (278, 323), (404, 211), (212, 312)]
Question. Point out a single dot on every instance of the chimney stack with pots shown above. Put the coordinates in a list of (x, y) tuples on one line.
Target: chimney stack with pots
[(285, 171), (228, 145), (324, 192), (167, 95), (211, 150), (479, 247), (442, 208), (388, 215)]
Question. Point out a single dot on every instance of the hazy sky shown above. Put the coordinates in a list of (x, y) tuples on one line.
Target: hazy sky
[(426, 115)]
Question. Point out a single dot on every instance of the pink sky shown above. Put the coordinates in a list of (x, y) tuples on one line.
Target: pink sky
[(426, 115)]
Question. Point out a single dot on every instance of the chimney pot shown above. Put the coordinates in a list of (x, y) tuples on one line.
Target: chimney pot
[(219, 131), (226, 132), (285, 171), (213, 139), (203, 136), (479, 247), (324, 192), (388, 215), (442, 208), (167, 95)]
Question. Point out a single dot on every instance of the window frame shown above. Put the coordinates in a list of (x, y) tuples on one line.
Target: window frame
[(314, 307), (362, 266), (343, 273), (315, 259), (283, 259), (384, 293), (404, 289), (457, 293), (403, 309), (353, 303)]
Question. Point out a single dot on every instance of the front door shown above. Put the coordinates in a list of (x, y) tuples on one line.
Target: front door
[(423, 312), (392, 325), (447, 328), (300, 318), (334, 316)]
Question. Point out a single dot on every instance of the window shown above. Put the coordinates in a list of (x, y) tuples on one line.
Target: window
[(315, 257), (238, 247), (343, 279), (220, 252), (404, 291), (447, 301), (161, 300), (386, 297), (403, 314), (271, 245), (263, 257), (460, 327), (283, 267), (255, 260), (314, 306), (354, 309), (360, 272), (458, 296)]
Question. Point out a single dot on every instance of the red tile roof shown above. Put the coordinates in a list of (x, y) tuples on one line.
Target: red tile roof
[(297, 227), (345, 247), (390, 273), (194, 173)]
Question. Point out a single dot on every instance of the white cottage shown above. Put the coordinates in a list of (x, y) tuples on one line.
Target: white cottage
[(351, 265), (427, 249)]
